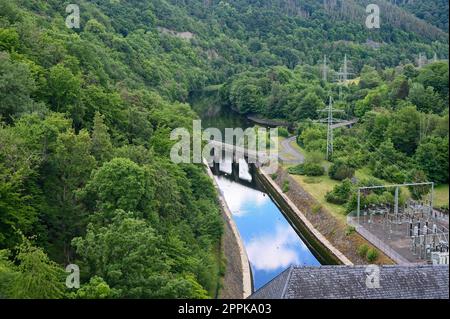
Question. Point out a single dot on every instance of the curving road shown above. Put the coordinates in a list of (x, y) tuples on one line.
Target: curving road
[(288, 154)]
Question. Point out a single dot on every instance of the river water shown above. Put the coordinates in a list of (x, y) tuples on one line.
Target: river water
[(271, 243)]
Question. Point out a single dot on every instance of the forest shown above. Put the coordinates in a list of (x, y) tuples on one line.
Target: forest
[(81, 109)]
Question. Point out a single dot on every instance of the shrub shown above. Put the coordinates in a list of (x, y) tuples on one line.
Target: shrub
[(296, 170), (340, 170), (362, 250), (274, 176), (350, 230), (308, 169), (285, 186), (372, 255), (283, 132), (340, 194), (314, 157), (312, 169)]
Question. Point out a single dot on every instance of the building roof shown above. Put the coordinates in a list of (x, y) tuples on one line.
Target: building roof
[(349, 282)]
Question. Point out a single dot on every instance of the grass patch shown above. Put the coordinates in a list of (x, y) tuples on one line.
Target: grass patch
[(311, 180), (285, 186), (316, 208), (349, 230), (318, 188), (441, 195), (372, 255)]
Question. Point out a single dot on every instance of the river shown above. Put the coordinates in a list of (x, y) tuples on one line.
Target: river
[(271, 242)]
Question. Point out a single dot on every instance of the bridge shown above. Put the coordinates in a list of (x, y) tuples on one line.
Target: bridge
[(238, 152), (340, 123), (348, 123)]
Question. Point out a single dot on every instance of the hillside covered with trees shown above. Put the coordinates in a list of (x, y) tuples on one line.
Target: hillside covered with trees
[(433, 11), (86, 116)]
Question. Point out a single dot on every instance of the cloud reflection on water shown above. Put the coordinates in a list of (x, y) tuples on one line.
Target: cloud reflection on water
[(275, 250), (239, 196)]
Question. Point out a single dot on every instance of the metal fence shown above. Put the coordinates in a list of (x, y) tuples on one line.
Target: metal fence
[(386, 249)]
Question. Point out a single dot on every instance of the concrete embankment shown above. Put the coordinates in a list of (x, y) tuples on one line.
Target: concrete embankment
[(238, 277), (322, 248)]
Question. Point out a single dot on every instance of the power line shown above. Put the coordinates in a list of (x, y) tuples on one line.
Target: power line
[(330, 121)]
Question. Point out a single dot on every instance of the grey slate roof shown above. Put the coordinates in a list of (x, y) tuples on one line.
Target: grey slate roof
[(349, 282)]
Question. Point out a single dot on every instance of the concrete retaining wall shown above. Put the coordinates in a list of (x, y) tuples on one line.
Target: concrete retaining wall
[(244, 262), (317, 242)]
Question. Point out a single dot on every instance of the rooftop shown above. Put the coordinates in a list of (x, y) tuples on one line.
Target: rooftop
[(349, 282)]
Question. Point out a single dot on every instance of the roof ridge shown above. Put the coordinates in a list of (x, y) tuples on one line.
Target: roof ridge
[(291, 268)]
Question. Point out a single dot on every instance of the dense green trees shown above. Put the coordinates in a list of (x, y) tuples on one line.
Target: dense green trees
[(32, 276), (403, 127), (85, 117), (432, 11), (16, 87), (84, 143), (432, 157)]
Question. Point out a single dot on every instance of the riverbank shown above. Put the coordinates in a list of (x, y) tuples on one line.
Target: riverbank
[(334, 230), (237, 282)]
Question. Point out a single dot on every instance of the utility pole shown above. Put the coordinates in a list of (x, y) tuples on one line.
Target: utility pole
[(345, 71), (330, 121), (324, 71), (421, 61), (330, 130), (343, 75)]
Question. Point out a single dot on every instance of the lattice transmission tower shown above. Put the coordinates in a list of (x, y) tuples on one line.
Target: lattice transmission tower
[(330, 122), (325, 70), (343, 75)]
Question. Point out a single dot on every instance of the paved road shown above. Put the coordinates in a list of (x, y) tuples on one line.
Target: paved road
[(289, 154)]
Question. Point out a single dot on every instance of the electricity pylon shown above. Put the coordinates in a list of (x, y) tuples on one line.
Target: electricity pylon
[(325, 70), (422, 60), (330, 121), (343, 75)]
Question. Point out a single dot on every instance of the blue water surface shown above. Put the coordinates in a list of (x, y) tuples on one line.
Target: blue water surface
[(271, 243)]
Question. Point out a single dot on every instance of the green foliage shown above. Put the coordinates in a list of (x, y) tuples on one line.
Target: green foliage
[(18, 210), (9, 39), (418, 192), (86, 116), (308, 169), (16, 88), (363, 250), (372, 255), (285, 187), (433, 11), (341, 193), (404, 129), (132, 259), (426, 100), (340, 170), (63, 90), (102, 148), (133, 193), (313, 139), (350, 230), (316, 208), (32, 276), (432, 157), (283, 132), (96, 288), (369, 78)]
